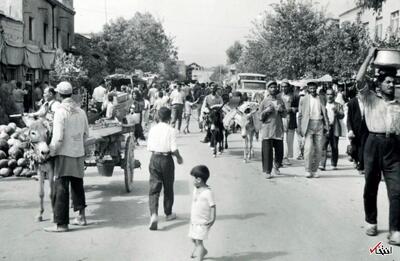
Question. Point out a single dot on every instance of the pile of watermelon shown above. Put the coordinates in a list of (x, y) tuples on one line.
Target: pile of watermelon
[(13, 144)]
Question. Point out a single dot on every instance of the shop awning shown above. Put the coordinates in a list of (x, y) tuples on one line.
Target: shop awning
[(31, 56)]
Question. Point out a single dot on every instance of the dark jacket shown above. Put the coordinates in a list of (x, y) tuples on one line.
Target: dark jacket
[(355, 122)]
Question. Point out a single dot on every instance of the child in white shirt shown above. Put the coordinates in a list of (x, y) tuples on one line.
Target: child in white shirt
[(188, 112), (203, 213)]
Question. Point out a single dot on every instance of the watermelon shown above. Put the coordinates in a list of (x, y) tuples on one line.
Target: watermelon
[(22, 162), (4, 163), (4, 135), (3, 155), (14, 142), (15, 152), (9, 130), (17, 171), (12, 164), (4, 145), (5, 172), (12, 125), (24, 172)]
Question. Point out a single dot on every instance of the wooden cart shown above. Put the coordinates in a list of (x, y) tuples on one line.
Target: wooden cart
[(109, 146)]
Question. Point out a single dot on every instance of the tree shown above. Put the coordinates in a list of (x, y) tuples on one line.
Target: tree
[(219, 73), (371, 4), (137, 43), (343, 49), (296, 40), (234, 52), (93, 60)]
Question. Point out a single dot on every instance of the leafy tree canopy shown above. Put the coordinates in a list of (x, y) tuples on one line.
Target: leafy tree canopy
[(370, 4), (296, 39), (137, 43), (234, 52)]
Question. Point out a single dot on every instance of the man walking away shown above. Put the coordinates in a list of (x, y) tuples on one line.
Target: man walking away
[(162, 144), (177, 101)]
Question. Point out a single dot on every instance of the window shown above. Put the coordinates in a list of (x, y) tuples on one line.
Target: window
[(45, 29), (394, 22), (378, 29), (30, 28)]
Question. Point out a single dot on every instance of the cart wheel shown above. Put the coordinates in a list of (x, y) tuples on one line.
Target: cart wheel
[(129, 163)]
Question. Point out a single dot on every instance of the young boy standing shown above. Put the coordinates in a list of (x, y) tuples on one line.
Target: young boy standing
[(203, 213), (188, 112)]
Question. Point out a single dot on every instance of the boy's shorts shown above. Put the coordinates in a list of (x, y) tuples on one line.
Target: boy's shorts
[(198, 232)]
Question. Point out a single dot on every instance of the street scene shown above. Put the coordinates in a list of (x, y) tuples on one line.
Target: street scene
[(191, 130)]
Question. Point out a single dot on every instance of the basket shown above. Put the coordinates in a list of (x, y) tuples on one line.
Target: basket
[(105, 168)]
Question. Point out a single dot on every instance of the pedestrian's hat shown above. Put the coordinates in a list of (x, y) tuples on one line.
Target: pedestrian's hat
[(28, 83), (64, 88), (270, 83)]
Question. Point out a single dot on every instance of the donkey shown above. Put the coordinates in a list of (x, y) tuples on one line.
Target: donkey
[(214, 124), (249, 124), (38, 137)]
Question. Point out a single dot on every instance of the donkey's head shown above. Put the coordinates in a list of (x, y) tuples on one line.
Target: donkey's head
[(247, 122), (39, 137)]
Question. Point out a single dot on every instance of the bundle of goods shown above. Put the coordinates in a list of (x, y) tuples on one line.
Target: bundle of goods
[(122, 103), (13, 143)]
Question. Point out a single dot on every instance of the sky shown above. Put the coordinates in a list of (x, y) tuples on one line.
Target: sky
[(202, 29)]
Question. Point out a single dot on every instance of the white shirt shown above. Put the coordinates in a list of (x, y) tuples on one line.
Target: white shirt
[(203, 200), (361, 105), (330, 112), (110, 110), (176, 97), (152, 95), (162, 138), (99, 93), (160, 102), (315, 108)]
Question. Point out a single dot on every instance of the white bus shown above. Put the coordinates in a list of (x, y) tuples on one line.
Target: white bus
[(251, 83)]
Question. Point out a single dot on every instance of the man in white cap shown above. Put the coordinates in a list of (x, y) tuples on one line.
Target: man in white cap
[(70, 129)]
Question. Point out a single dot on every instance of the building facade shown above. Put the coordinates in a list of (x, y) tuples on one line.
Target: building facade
[(31, 31), (380, 24)]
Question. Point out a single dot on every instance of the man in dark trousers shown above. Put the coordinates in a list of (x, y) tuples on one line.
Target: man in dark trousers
[(162, 144), (382, 148), (272, 110), (357, 131), (70, 130), (334, 111)]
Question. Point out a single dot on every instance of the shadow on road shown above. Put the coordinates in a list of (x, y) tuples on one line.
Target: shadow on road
[(116, 208), (249, 256)]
